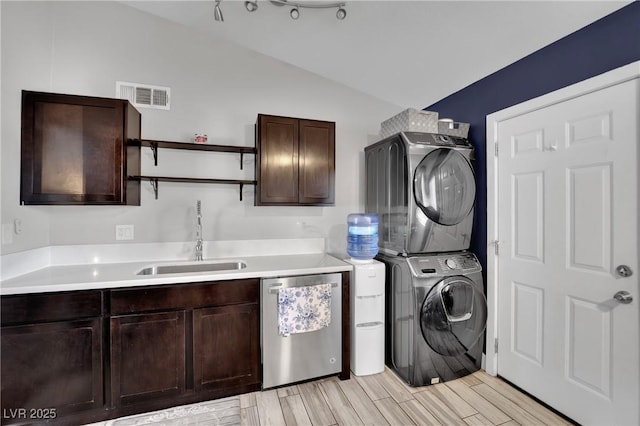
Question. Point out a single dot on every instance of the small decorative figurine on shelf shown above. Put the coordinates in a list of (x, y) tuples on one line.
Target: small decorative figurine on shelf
[(200, 138)]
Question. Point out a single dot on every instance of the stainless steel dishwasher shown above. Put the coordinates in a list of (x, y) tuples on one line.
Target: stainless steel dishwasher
[(300, 356)]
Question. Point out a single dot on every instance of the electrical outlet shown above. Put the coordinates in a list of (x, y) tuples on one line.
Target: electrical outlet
[(124, 232)]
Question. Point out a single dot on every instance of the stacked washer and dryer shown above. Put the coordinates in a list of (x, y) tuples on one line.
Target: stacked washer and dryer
[(422, 187)]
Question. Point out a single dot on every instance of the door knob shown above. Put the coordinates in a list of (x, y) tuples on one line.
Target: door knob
[(623, 297), (624, 271)]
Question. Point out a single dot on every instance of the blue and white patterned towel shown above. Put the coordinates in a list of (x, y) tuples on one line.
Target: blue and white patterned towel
[(303, 309)]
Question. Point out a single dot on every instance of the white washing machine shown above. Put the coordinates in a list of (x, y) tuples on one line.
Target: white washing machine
[(422, 187), (437, 315)]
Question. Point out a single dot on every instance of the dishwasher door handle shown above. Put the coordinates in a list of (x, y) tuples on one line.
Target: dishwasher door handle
[(273, 288)]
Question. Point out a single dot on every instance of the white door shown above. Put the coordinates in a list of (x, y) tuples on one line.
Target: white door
[(567, 218)]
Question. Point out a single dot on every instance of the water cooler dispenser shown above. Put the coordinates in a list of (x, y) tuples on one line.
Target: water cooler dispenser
[(367, 295), (367, 317)]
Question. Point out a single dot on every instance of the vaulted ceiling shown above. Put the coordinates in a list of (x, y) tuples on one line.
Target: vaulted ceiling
[(410, 53)]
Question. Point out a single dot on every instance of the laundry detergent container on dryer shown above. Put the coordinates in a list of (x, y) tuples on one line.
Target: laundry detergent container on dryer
[(422, 187)]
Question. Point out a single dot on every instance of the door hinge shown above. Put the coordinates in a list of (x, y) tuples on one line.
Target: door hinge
[(496, 149), (496, 245), (495, 345)]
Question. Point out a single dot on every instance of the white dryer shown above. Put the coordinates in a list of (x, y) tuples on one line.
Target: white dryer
[(422, 187)]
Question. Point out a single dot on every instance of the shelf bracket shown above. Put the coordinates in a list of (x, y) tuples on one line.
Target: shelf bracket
[(154, 185), (241, 186), (241, 163), (154, 149)]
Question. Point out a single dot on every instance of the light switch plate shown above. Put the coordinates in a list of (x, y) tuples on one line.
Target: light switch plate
[(17, 226), (124, 232), (7, 233)]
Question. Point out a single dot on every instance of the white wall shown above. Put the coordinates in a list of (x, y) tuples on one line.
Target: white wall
[(217, 88)]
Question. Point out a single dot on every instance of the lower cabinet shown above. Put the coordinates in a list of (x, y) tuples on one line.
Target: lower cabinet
[(147, 357), (226, 346), (51, 369), (88, 356), (183, 343), (51, 356)]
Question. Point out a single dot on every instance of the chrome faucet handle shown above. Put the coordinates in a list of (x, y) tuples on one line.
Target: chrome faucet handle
[(198, 250), (198, 230)]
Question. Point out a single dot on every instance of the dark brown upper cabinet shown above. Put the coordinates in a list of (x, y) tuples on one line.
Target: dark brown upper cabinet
[(295, 162), (75, 150)]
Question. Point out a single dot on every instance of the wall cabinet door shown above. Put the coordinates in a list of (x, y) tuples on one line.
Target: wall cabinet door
[(147, 357), (226, 346), (75, 151), (317, 162), (295, 162), (277, 160), (52, 368)]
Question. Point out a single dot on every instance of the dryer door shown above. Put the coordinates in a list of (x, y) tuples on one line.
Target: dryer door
[(444, 186), (453, 316)]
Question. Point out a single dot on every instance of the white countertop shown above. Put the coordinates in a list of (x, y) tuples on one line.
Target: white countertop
[(115, 275), (66, 268)]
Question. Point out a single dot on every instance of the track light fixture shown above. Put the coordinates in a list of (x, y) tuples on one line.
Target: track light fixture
[(252, 6), (217, 12)]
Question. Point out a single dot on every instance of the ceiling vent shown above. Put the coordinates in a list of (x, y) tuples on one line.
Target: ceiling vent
[(144, 95)]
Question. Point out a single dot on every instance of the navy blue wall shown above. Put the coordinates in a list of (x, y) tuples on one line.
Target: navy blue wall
[(606, 44)]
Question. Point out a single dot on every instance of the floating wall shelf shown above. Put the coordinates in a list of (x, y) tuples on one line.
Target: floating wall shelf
[(154, 145)]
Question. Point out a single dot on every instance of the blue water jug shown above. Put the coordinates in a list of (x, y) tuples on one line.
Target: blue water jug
[(362, 237)]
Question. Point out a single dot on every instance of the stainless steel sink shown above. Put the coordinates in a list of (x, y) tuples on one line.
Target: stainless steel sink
[(192, 267)]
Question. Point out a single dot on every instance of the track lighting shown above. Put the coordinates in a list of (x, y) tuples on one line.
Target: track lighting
[(217, 13), (252, 6)]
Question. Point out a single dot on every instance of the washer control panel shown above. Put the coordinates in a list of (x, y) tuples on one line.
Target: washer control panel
[(451, 263), (460, 262), (422, 138), (443, 264)]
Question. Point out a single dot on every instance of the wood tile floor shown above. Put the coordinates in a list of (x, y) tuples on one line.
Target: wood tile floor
[(383, 399)]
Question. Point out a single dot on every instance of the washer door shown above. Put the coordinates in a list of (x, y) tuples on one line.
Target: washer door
[(444, 186), (453, 316)]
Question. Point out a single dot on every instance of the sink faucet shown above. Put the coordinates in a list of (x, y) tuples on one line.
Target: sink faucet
[(198, 230)]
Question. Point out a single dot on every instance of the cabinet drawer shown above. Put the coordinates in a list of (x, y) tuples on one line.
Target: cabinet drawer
[(184, 296), (50, 307)]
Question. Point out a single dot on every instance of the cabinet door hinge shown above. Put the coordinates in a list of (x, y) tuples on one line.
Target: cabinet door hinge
[(495, 345), (496, 149)]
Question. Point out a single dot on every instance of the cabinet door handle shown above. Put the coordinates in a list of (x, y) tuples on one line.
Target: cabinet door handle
[(273, 289)]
